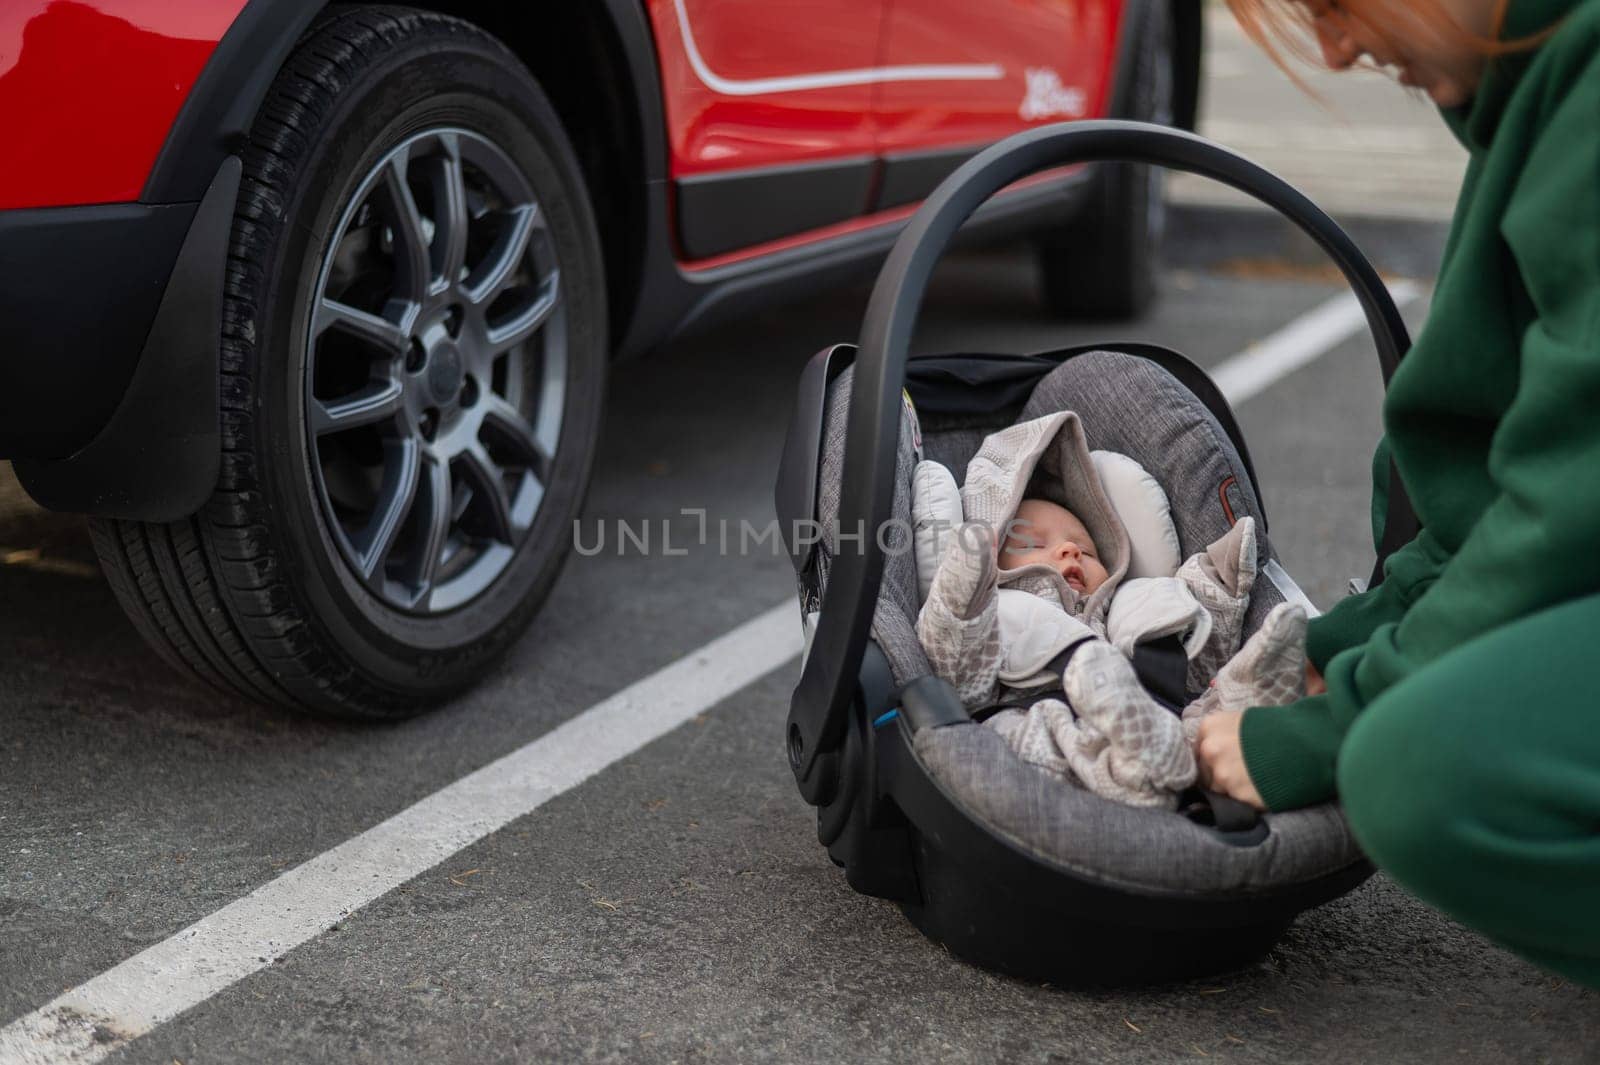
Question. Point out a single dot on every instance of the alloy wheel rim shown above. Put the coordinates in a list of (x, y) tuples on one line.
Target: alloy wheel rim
[(435, 371)]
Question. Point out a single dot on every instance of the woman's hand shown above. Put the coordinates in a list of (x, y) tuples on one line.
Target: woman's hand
[(1221, 759), (1315, 685)]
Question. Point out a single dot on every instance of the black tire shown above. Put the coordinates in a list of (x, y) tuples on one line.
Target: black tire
[(1105, 263), (257, 593)]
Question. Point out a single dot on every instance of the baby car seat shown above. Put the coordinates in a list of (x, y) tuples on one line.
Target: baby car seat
[(1010, 867)]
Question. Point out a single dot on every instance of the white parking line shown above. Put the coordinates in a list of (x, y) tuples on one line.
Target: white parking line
[(93, 1019), (1302, 341), (90, 1021)]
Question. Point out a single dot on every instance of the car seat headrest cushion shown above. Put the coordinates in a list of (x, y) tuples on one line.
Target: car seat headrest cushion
[(1142, 504), (1137, 497)]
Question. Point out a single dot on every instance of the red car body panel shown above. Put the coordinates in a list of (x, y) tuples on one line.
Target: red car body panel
[(750, 83), (766, 144), (89, 91), (90, 88), (726, 71), (1054, 61)]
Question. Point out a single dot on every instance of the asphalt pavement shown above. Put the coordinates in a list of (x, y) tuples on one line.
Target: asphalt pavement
[(675, 907)]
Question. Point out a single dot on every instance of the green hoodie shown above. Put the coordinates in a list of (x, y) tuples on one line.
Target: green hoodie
[(1493, 418)]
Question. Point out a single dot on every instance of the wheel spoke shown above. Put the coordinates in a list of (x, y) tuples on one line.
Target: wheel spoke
[(520, 326), (411, 252), (449, 250), (489, 489), (441, 252), (502, 260), (377, 402), (375, 329), (460, 500), (434, 504), (401, 472), (507, 425)]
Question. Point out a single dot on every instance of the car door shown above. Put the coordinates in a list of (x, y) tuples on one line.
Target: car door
[(769, 116), (1050, 60)]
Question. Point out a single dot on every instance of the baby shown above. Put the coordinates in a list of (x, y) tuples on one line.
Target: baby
[(1100, 726), (1047, 533)]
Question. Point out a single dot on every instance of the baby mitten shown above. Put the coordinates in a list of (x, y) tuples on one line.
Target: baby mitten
[(1221, 578), (935, 516), (1051, 738), (959, 624), (1269, 670), (1114, 739), (1143, 757)]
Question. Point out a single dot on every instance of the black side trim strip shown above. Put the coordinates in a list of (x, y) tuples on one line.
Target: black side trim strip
[(724, 212), (908, 177)]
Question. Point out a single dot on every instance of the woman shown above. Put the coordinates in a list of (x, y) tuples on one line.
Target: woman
[(1459, 721)]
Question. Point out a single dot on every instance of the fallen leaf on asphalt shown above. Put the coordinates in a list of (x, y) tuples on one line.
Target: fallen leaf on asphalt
[(1277, 269), (35, 559)]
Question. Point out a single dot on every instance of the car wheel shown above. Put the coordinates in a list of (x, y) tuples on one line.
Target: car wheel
[(413, 362), (1105, 263)]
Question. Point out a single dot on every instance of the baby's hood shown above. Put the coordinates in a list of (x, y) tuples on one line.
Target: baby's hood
[(1047, 458)]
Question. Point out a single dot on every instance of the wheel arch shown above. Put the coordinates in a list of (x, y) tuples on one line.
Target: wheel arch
[(1188, 26), (1188, 21), (596, 62)]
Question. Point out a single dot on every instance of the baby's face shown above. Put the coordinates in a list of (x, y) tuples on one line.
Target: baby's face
[(1045, 533)]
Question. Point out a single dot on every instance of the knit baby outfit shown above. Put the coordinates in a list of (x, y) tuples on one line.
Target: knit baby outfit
[(1108, 733)]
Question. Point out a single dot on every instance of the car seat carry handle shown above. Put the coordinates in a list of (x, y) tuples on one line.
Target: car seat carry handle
[(820, 708)]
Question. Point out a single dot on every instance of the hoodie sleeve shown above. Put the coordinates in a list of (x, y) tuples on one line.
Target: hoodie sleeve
[(1535, 544)]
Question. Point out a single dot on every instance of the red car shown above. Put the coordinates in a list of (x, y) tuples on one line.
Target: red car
[(311, 309)]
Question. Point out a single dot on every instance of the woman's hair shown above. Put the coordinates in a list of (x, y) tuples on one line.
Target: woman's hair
[(1287, 23)]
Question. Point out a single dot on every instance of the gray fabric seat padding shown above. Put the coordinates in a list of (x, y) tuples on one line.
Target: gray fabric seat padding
[(1151, 850), (1134, 407)]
